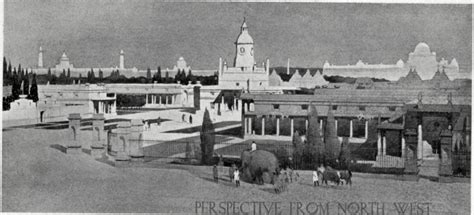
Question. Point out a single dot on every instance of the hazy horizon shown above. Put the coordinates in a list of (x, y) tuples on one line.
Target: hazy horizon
[(155, 34)]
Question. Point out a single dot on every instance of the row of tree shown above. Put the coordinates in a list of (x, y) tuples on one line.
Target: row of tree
[(116, 77), (318, 151), (21, 82)]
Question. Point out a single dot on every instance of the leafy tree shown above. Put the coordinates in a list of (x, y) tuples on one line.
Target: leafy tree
[(314, 136), (207, 139)]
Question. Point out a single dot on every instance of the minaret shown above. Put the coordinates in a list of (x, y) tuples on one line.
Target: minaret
[(40, 58), (122, 63)]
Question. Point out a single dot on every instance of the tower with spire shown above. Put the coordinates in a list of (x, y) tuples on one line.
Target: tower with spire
[(244, 49), (40, 58), (122, 60)]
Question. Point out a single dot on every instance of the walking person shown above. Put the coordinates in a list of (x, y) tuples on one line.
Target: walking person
[(237, 178), (215, 173), (315, 178)]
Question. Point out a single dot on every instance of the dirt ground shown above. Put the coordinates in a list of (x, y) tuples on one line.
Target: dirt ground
[(38, 177)]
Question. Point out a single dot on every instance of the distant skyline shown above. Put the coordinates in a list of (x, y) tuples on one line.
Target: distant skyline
[(153, 33)]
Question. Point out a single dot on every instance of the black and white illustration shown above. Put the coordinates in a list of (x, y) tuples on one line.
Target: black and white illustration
[(236, 107)]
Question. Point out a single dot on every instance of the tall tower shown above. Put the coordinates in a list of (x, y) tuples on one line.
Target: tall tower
[(122, 63), (40, 58), (244, 49)]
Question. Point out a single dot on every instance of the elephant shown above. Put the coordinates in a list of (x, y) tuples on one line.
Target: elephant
[(259, 166)]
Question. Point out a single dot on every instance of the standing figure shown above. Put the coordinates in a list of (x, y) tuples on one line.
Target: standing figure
[(315, 178), (190, 119), (231, 172), (253, 146), (215, 173), (237, 178)]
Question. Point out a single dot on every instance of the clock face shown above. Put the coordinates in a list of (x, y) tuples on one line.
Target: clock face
[(242, 50)]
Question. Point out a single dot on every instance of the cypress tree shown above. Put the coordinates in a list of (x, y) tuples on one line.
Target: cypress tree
[(158, 75), (34, 90), (148, 74), (207, 139), (101, 75), (332, 144), (26, 85), (10, 73), (314, 136), (6, 76), (92, 76), (16, 85)]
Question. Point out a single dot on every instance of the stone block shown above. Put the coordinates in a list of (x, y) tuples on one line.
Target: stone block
[(73, 150)]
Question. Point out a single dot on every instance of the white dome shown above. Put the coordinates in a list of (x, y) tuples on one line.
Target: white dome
[(422, 48)]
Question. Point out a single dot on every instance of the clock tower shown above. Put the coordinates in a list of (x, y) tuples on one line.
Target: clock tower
[(244, 49)]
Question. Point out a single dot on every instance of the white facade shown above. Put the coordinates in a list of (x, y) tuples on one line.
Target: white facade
[(421, 59), (245, 74)]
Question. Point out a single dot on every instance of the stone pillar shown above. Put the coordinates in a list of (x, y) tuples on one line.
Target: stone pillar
[(350, 129), (114, 107), (278, 127), (245, 126), (410, 154), (223, 103), (420, 143), (403, 146), (245, 107), (146, 99), (292, 127), (379, 143), (306, 123), (74, 144), (234, 106), (263, 125), (366, 129), (136, 140), (159, 99), (384, 145), (445, 164), (98, 136), (122, 145), (335, 122), (250, 125)]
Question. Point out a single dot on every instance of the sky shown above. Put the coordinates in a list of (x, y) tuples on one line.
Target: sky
[(154, 33)]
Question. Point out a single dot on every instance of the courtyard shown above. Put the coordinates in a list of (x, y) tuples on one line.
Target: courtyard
[(37, 177)]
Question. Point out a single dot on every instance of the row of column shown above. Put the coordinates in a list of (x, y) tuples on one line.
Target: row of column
[(235, 106), (170, 99), (248, 127), (106, 107), (382, 143)]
